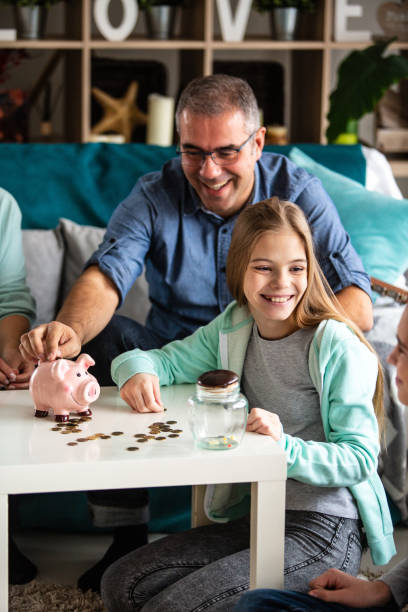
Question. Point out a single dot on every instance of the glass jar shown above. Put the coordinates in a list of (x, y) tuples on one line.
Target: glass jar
[(218, 411)]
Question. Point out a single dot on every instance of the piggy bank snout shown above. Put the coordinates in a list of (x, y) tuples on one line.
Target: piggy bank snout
[(90, 390)]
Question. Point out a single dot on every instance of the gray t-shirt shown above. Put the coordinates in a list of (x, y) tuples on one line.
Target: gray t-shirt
[(276, 378)]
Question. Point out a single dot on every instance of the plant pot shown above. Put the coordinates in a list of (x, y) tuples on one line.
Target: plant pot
[(350, 135), (284, 22), (30, 21), (160, 21)]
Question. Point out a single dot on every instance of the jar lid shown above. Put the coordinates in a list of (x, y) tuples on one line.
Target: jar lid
[(218, 380)]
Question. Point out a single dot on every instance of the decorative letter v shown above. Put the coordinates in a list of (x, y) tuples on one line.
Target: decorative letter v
[(233, 30)]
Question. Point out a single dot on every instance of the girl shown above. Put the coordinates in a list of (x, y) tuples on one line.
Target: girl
[(312, 380)]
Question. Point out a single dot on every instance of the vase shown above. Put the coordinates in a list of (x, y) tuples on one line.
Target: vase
[(284, 22), (160, 21), (30, 21)]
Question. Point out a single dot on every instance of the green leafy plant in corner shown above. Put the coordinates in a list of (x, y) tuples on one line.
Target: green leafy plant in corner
[(268, 5), (362, 79)]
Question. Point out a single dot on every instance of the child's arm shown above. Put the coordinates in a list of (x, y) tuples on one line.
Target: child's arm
[(181, 361), (350, 454)]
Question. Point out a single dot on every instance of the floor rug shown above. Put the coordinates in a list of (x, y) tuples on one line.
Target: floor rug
[(38, 597)]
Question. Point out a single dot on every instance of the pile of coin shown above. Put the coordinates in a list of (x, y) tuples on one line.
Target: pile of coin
[(156, 431)]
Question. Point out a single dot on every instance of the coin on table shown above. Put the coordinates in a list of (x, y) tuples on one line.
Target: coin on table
[(171, 422), (141, 440), (132, 448), (160, 438), (82, 439), (173, 435), (55, 428), (76, 430), (117, 433), (140, 435), (72, 443), (66, 431), (93, 437), (105, 437), (177, 430)]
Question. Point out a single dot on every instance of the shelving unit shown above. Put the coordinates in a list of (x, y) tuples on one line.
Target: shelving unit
[(197, 46)]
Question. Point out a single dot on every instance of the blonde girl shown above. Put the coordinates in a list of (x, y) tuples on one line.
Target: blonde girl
[(313, 384)]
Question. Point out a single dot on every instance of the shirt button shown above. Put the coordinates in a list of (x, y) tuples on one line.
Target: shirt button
[(224, 230), (112, 240)]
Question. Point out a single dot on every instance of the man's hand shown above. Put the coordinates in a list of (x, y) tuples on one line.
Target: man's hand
[(338, 587), (50, 341), (264, 422), (142, 393)]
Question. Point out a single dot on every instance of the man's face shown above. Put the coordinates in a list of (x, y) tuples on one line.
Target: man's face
[(222, 189)]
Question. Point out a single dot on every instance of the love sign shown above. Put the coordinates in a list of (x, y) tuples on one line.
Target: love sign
[(129, 19)]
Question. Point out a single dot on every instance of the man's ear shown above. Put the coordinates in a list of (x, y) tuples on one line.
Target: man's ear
[(259, 140)]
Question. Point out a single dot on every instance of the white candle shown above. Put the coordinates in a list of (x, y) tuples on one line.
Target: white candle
[(160, 110)]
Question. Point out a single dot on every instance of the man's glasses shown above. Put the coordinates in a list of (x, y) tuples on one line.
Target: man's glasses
[(222, 156)]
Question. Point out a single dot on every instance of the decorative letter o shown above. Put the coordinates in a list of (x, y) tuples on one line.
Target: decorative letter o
[(130, 14)]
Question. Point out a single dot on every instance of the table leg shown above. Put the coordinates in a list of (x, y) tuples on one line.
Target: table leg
[(198, 516), (267, 534), (3, 551)]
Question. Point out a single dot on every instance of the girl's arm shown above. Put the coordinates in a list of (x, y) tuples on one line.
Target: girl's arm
[(181, 361), (350, 453)]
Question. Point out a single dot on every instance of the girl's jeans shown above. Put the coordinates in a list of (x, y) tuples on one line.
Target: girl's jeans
[(207, 568)]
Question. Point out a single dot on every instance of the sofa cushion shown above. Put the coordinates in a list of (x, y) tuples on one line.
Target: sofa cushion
[(377, 224), (44, 255), (80, 242)]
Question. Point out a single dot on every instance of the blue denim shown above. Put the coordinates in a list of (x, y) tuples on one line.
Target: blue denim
[(207, 568), (266, 600), (162, 225)]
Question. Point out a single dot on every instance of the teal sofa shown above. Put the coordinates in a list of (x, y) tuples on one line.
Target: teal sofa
[(82, 184)]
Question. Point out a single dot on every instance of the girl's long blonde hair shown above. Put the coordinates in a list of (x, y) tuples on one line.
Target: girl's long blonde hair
[(318, 301)]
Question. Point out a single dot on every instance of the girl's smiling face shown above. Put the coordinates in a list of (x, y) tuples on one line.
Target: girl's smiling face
[(399, 358), (275, 281)]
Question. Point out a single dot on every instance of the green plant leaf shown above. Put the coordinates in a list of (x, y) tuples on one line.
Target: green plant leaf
[(363, 78)]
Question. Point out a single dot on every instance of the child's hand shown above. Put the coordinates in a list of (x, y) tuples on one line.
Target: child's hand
[(264, 422), (142, 393)]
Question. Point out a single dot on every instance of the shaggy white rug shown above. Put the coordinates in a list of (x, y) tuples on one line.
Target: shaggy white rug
[(38, 597)]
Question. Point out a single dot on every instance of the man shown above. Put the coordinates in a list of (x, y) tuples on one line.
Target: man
[(335, 591), (178, 222)]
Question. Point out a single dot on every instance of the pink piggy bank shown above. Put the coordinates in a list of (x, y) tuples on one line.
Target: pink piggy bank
[(64, 386)]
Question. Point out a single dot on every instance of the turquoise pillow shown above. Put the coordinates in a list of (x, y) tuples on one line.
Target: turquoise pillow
[(377, 224)]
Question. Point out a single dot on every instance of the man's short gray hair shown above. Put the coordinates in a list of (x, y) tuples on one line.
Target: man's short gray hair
[(218, 94)]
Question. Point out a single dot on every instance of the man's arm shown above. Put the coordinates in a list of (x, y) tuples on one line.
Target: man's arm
[(87, 309), (357, 306)]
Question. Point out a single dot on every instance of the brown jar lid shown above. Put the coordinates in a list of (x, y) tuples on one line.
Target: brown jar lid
[(217, 378)]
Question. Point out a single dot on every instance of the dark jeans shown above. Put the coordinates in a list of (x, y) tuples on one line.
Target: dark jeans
[(207, 568), (119, 507), (265, 600)]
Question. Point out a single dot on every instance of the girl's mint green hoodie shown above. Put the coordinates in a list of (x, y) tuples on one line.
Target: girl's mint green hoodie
[(344, 372)]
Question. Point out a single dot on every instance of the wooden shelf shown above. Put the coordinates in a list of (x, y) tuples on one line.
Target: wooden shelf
[(311, 61)]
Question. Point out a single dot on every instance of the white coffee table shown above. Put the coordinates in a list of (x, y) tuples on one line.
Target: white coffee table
[(34, 459)]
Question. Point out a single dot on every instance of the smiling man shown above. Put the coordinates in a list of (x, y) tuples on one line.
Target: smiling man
[(177, 223)]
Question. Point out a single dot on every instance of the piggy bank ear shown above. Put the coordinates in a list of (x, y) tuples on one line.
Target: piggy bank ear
[(85, 361), (59, 368)]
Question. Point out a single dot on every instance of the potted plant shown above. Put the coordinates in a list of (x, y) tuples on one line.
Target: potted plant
[(30, 16), (362, 79), (284, 15), (160, 17)]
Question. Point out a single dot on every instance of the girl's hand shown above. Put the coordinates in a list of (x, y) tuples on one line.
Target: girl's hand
[(264, 422), (142, 393)]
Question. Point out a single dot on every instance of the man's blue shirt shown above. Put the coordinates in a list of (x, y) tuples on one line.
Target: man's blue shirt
[(163, 226)]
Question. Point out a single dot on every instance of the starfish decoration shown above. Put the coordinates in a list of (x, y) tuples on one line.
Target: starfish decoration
[(120, 114)]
